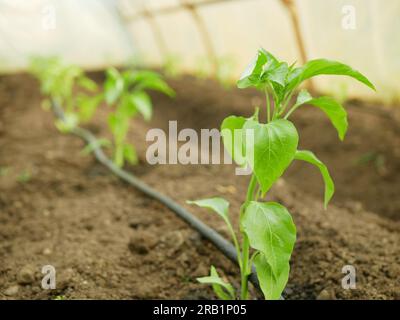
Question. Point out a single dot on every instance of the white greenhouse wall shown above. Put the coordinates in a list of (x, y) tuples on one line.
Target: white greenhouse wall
[(92, 33), (87, 32), (238, 28)]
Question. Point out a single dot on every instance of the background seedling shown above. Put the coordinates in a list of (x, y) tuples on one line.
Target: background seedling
[(69, 87), (267, 229), (24, 177), (75, 93), (126, 93)]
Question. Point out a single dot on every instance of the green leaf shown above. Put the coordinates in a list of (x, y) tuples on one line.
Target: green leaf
[(87, 83), (310, 157), (327, 67), (271, 286), (88, 105), (218, 285), (252, 72), (130, 154), (143, 104), (262, 63), (279, 74), (275, 145), (234, 142), (303, 97), (270, 229), (119, 127), (218, 205), (113, 86), (152, 81), (334, 110)]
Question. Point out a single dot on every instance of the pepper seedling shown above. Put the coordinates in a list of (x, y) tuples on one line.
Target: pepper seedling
[(267, 230), (126, 93), (60, 81)]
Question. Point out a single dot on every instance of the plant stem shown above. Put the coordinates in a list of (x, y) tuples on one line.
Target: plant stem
[(268, 105), (294, 108), (245, 243)]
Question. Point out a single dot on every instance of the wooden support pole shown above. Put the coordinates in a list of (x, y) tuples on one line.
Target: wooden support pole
[(294, 17), (204, 33), (158, 37)]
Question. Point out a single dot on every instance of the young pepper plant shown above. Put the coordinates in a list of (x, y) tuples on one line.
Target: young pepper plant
[(267, 229), (59, 81), (126, 93)]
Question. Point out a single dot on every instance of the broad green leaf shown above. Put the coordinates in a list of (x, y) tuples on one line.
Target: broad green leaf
[(134, 76), (262, 63), (152, 81), (218, 205), (221, 288), (234, 142), (310, 157), (270, 229), (274, 147), (271, 286), (327, 67), (143, 104), (279, 74), (334, 110)]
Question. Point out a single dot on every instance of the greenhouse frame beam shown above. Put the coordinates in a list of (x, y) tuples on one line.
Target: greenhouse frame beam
[(175, 8)]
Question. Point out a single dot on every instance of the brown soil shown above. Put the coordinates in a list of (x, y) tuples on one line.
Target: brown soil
[(107, 240)]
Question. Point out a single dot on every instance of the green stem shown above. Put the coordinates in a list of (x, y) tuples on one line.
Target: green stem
[(287, 101), (294, 108), (268, 105), (245, 243), (236, 243)]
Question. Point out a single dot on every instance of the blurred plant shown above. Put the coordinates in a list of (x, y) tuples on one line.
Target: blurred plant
[(172, 66), (377, 159), (67, 85), (224, 71), (24, 177), (126, 92), (203, 69), (266, 228), (4, 171)]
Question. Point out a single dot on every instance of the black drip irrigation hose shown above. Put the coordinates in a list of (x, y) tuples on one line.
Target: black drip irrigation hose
[(207, 232)]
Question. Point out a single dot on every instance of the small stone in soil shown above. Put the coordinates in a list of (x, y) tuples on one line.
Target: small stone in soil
[(142, 243), (326, 294), (26, 275), (11, 291)]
